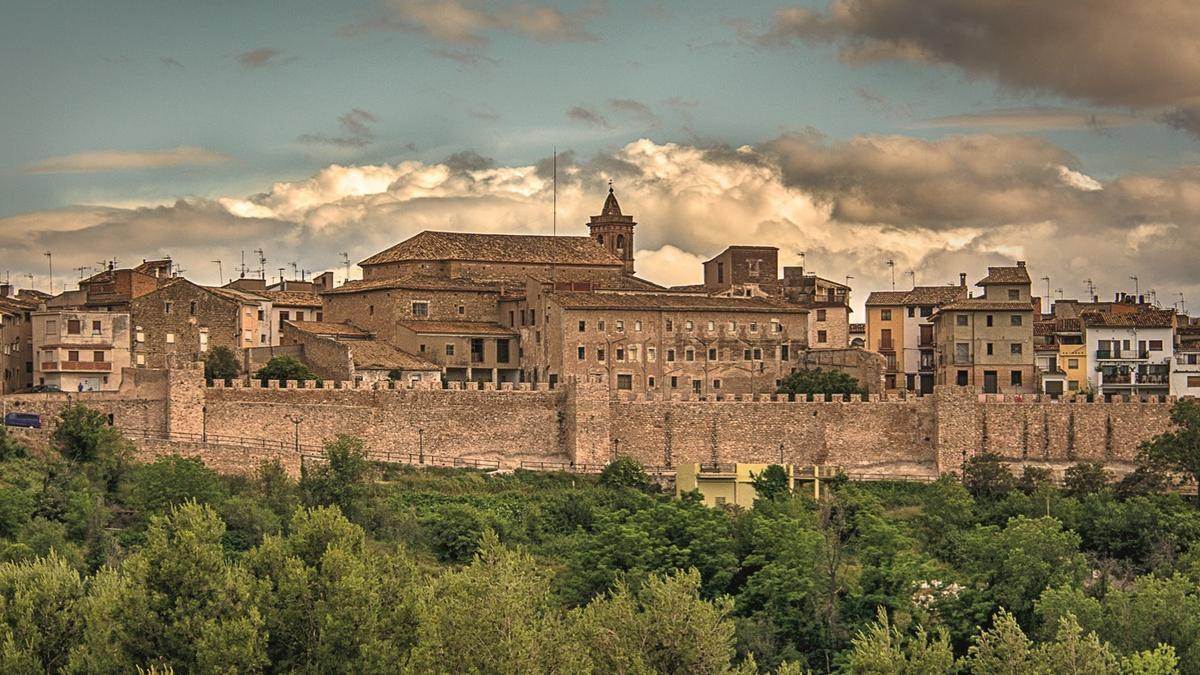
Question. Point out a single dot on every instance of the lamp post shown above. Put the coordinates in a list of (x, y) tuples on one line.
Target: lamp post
[(296, 420), (420, 446), (204, 424)]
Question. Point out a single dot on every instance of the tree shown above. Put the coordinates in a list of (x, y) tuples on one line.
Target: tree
[(10, 447), (624, 472), (1033, 478), (170, 481), (1001, 650), (1178, 448), (882, 648), (1085, 478), (987, 477), (817, 381), (39, 614), (83, 434), (771, 483), (284, 368), (221, 364), (341, 479)]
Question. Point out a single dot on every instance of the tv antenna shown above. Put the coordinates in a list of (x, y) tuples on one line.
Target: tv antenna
[(295, 269), (346, 262), (242, 268), (1047, 280), (83, 268), (1091, 288), (262, 264), (892, 265), (913, 274), (1182, 304)]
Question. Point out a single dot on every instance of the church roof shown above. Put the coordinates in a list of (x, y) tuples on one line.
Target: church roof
[(533, 249), (611, 207)]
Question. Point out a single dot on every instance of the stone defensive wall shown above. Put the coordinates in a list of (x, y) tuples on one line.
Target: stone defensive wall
[(234, 427)]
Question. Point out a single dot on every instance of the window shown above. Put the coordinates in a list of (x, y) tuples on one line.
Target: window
[(371, 310), (885, 315), (650, 382), (1193, 381), (670, 325), (73, 356), (168, 306), (961, 378), (192, 308), (620, 326), (990, 348), (502, 351), (422, 349), (927, 310), (747, 354), (776, 327), (620, 353), (283, 317), (712, 326), (320, 316), (449, 349), (1015, 349), (757, 354), (989, 319), (1072, 363), (1015, 378), (712, 353), (732, 326), (753, 267), (420, 309), (1156, 345), (783, 352), (820, 315), (582, 352), (532, 317), (689, 354), (141, 336), (689, 325), (962, 352), (51, 327), (299, 316), (637, 326), (1073, 385), (634, 352), (961, 320), (260, 315), (753, 326), (651, 353), (600, 354), (1014, 294), (96, 329), (822, 336), (582, 326), (600, 325), (170, 338), (674, 382), (74, 326), (98, 356), (720, 273), (462, 310), (716, 384), (1015, 320), (670, 356), (624, 381)]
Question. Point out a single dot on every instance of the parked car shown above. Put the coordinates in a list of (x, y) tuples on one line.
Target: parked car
[(42, 389), (21, 419)]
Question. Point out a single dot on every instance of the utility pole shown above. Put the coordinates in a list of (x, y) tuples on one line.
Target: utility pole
[(913, 275), (1136, 289), (892, 265), (50, 263), (346, 262), (1091, 289), (1047, 280)]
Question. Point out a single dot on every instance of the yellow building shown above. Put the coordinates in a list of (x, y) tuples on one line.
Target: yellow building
[(1072, 360), (724, 484)]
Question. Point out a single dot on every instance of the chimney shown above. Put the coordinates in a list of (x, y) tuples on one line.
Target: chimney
[(1020, 263), (962, 279), (5, 290)]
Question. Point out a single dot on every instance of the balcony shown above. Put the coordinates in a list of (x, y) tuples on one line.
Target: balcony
[(76, 366), (1120, 355), (1117, 378), (1153, 378), (887, 346)]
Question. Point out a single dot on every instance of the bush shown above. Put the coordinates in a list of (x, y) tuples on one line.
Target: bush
[(817, 381), (221, 364), (83, 434), (1085, 478), (624, 472), (170, 481), (987, 477), (284, 368), (772, 483)]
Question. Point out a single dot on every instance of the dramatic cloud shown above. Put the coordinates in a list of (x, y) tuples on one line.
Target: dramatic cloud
[(260, 58), (934, 207), (1107, 52), (356, 131), (128, 160), (588, 116), (463, 22)]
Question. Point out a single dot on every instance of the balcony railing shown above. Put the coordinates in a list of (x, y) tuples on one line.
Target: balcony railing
[(1118, 378), (68, 366), (1121, 354), (886, 346), (1153, 378)]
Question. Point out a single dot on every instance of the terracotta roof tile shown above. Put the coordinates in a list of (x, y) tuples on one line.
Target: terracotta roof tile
[(379, 355), (414, 282), (292, 298), (458, 328), (935, 295), (500, 248), (329, 328), (1005, 275), (1143, 318), (980, 304), (886, 297)]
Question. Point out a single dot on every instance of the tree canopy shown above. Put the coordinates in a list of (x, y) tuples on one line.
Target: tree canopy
[(817, 381)]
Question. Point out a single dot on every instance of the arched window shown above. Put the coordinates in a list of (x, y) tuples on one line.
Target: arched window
[(600, 239), (621, 243)]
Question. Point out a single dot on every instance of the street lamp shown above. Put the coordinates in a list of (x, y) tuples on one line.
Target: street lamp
[(420, 446), (204, 424), (296, 420)]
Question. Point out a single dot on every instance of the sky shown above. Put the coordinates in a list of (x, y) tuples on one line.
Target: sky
[(941, 135)]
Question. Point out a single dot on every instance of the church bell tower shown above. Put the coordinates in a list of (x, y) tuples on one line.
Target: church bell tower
[(613, 230)]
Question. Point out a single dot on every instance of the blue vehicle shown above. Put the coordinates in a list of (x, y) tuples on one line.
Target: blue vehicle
[(20, 419)]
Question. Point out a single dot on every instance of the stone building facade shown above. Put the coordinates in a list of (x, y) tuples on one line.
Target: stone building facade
[(80, 350), (182, 321), (341, 352), (16, 341)]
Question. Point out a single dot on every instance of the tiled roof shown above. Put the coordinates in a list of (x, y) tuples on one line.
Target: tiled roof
[(457, 328), (1005, 275), (935, 295), (671, 301), (292, 298), (1044, 328), (1143, 318), (1071, 325), (329, 328), (689, 288), (379, 355), (233, 294), (17, 304), (979, 304), (501, 248), (886, 297), (413, 282)]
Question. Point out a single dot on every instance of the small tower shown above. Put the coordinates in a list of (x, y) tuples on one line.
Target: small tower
[(614, 230)]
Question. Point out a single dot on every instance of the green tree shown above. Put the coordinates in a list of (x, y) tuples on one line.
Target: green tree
[(1073, 652), (1178, 448), (771, 483), (10, 448), (1085, 478), (1034, 478), (284, 368), (169, 481), (1001, 650), (816, 381), (341, 479), (221, 364), (946, 510), (83, 434), (1055, 604), (39, 614), (987, 477), (624, 472), (1158, 661), (882, 649)]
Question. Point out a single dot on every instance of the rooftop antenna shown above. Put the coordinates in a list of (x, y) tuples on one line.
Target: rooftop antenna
[(29, 275), (50, 263), (913, 274), (220, 273), (346, 262), (892, 265), (281, 269), (1136, 290), (1047, 280), (242, 267), (1091, 288), (262, 264), (848, 278), (1060, 293), (1182, 304), (1153, 297), (295, 269), (81, 269)]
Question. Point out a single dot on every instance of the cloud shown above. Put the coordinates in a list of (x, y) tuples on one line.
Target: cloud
[(636, 109), (1140, 55), (588, 116), (170, 62), (935, 207), (260, 58), (356, 131), (128, 160), (1034, 119), (463, 57), (463, 22)]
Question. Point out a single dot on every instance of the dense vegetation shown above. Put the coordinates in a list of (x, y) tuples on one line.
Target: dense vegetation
[(110, 566)]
